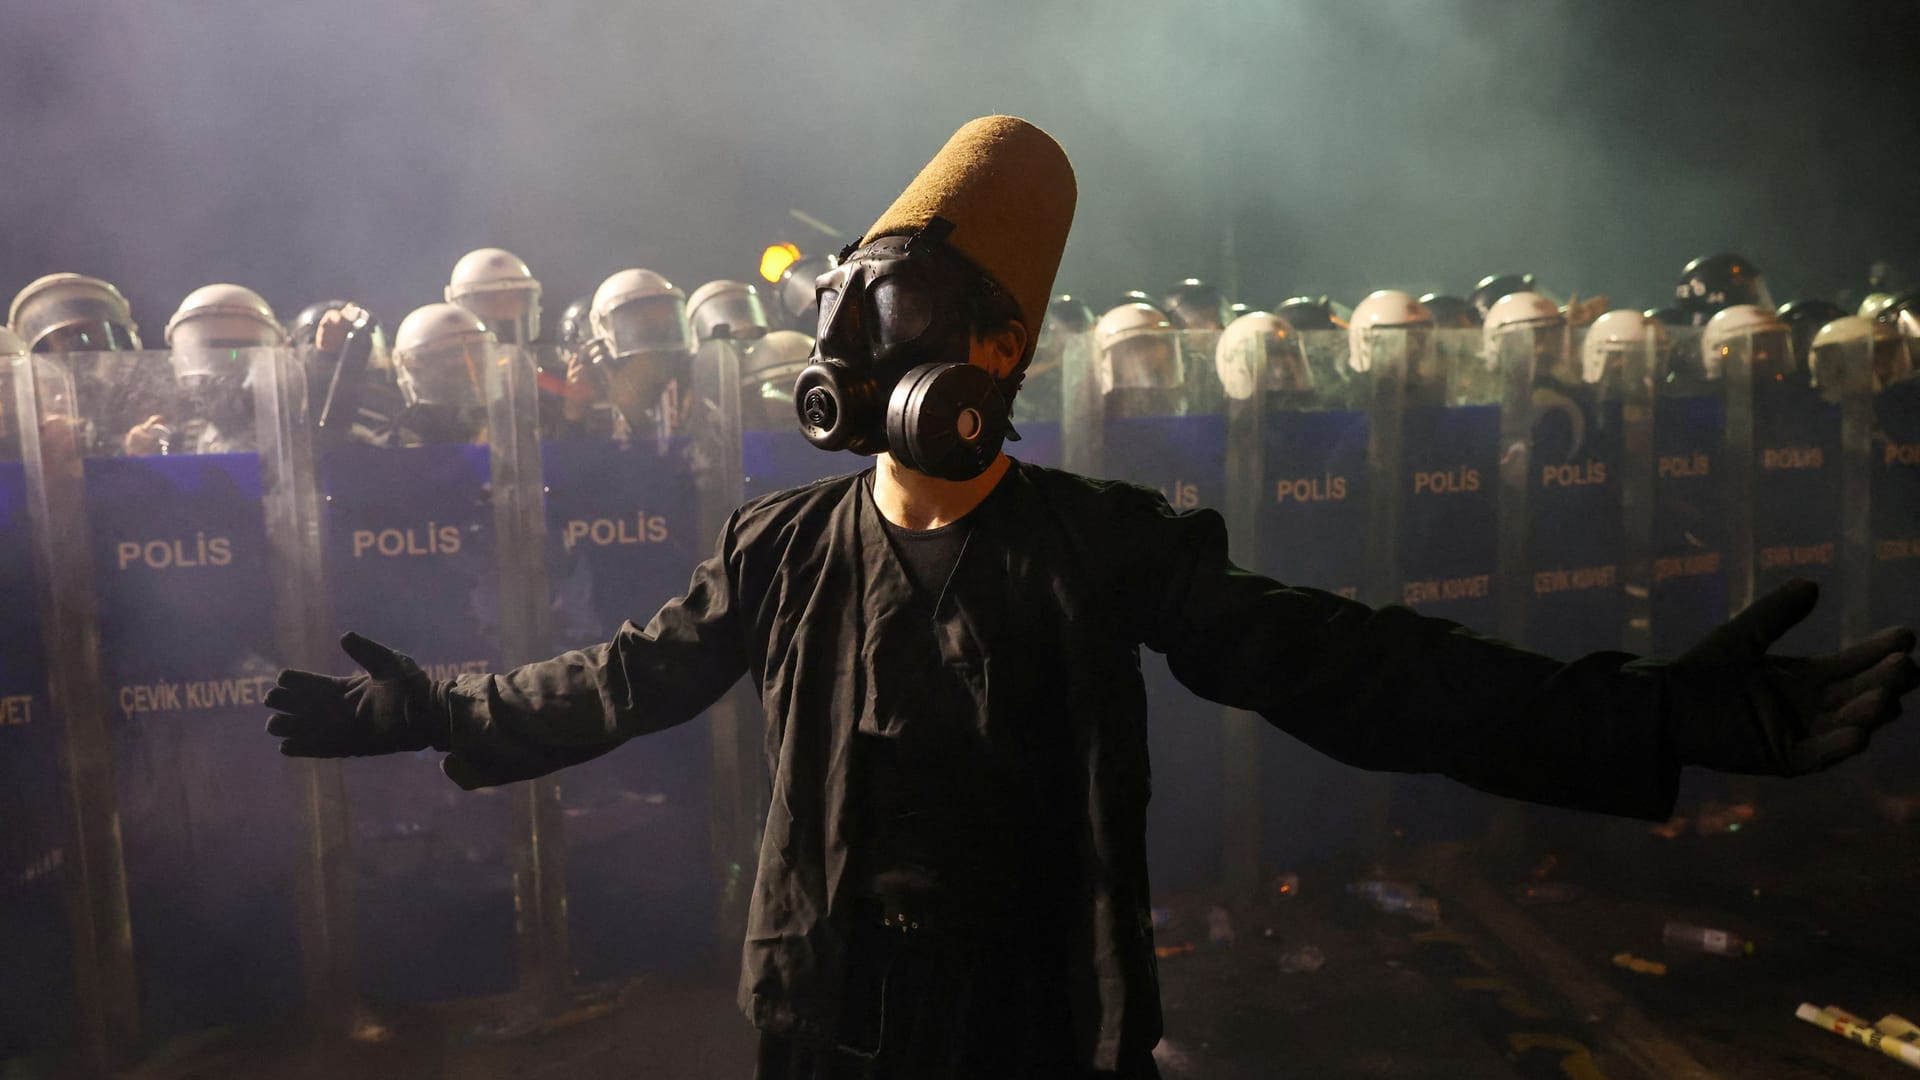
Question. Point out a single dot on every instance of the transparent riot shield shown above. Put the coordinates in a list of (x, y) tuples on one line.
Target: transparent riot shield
[(1454, 437), (625, 527), (1038, 407), (1564, 524), (160, 573), (1792, 514), (411, 542), (1692, 475), (36, 985), (1158, 424), (1327, 448), (1894, 565)]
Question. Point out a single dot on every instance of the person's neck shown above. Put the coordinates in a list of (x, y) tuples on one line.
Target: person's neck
[(914, 500)]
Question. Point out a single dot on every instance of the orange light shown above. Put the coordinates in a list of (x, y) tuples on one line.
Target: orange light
[(775, 260)]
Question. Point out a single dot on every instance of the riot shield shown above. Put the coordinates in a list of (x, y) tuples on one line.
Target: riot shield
[(411, 538), (1690, 531), (625, 527), (1461, 451), (1037, 408), (1895, 564), (160, 572), (1159, 425), (36, 985), (1570, 588), (1327, 451), (1792, 514)]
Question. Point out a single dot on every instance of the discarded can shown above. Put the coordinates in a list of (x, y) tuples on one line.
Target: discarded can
[(1219, 926), (1701, 939), (1638, 966), (1546, 892), (1303, 961)]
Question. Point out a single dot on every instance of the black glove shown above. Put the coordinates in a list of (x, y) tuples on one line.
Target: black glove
[(393, 708), (1736, 709)]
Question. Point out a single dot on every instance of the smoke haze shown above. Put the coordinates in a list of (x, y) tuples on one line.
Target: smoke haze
[(357, 148)]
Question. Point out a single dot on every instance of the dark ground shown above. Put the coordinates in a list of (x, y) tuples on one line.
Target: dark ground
[(1821, 878)]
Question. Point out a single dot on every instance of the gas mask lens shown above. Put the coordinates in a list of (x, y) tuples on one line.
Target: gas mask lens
[(902, 310)]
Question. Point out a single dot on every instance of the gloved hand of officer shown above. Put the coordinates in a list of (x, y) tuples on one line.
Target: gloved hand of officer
[(1736, 709), (394, 707)]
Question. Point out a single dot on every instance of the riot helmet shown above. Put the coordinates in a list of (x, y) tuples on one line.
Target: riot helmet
[(726, 309), (440, 353), (1805, 318), (1309, 313), (1713, 283), (1850, 340), (1491, 288), (496, 285), (1755, 328), (1135, 350), (1622, 340), (1389, 309), (1195, 305), (1535, 316), (73, 313), (767, 373), (1452, 312), (1259, 351), (575, 327), (797, 295), (1068, 314), (224, 317), (640, 312)]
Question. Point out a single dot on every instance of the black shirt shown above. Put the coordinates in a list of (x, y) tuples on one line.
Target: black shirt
[(940, 794)]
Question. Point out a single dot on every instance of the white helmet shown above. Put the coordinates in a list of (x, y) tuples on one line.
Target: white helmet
[(438, 356), (1522, 311), (1874, 304), (1383, 309), (94, 312), (496, 285), (638, 311), (732, 305), (1136, 349), (1617, 334), (224, 317), (1737, 323), (1879, 341), (1257, 350), (777, 357)]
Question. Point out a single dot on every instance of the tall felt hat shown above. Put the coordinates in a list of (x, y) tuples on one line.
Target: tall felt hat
[(1008, 190)]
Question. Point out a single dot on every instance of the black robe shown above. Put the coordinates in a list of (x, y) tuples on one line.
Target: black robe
[(804, 593)]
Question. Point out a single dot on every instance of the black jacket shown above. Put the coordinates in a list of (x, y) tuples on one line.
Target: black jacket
[(804, 593)]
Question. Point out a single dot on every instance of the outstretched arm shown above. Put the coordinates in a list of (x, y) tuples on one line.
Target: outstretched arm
[(534, 719), (1390, 689)]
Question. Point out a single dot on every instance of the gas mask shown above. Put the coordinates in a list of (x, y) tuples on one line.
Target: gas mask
[(889, 372)]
